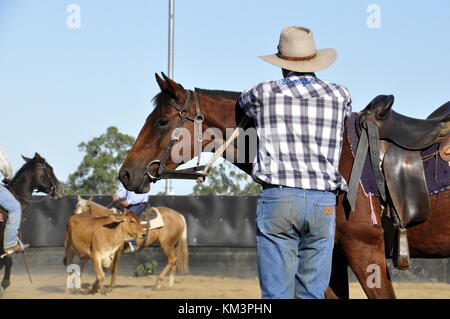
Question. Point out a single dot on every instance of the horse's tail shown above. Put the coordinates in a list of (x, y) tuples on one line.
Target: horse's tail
[(67, 244), (182, 250)]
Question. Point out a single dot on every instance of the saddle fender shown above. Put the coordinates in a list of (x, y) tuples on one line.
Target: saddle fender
[(405, 180)]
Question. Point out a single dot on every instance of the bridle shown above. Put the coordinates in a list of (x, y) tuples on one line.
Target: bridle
[(198, 172), (187, 173), (53, 189)]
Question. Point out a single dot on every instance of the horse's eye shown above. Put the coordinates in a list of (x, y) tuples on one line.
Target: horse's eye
[(162, 122)]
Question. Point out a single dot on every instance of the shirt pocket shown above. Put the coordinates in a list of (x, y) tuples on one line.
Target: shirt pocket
[(324, 219), (274, 216)]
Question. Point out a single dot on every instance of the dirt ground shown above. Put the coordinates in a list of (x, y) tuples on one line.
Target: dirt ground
[(188, 287)]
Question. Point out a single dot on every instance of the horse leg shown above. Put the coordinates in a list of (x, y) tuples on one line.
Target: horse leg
[(172, 275), (338, 287), (171, 261), (6, 277), (368, 262), (5, 282)]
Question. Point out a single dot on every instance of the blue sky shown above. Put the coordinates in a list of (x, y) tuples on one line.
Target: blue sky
[(61, 86)]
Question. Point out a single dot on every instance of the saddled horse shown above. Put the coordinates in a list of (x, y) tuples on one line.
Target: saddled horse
[(172, 236), (358, 242), (35, 175)]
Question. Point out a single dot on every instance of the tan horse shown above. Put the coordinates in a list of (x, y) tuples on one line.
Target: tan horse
[(172, 237)]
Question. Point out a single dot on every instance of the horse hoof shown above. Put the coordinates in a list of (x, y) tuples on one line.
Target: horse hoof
[(103, 291), (2, 291), (86, 291), (5, 284), (157, 287)]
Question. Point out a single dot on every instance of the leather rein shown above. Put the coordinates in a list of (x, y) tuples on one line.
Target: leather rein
[(198, 172)]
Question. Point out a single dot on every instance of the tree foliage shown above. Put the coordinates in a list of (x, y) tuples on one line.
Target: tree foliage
[(224, 179), (98, 171)]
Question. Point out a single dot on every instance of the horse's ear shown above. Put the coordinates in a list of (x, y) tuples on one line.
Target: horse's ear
[(91, 198), (162, 84), (173, 87), (78, 198), (26, 159), (37, 155)]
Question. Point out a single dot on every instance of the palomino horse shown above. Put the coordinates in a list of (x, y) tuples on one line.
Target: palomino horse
[(172, 237), (358, 242), (35, 174)]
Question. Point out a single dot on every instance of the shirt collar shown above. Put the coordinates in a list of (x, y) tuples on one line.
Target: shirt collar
[(293, 73)]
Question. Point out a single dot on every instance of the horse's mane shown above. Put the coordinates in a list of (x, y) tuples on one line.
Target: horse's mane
[(232, 95), (162, 97), (24, 167), (99, 207)]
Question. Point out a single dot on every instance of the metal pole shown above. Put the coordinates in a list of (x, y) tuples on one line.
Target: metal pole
[(168, 186)]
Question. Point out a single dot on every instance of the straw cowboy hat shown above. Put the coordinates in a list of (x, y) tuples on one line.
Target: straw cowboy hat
[(297, 52)]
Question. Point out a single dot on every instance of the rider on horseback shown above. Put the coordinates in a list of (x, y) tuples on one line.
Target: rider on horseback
[(12, 243)]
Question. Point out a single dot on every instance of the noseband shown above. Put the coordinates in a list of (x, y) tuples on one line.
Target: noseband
[(187, 173)]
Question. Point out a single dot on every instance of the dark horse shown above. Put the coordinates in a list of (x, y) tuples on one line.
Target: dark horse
[(35, 174), (358, 243)]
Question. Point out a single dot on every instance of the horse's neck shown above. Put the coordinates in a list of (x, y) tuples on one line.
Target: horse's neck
[(100, 210), (22, 186), (226, 114)]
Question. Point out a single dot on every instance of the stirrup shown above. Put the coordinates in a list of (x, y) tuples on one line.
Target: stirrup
[(401, 255), (14, 250)]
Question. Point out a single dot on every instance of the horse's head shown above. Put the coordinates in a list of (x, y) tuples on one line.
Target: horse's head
[(142, 162), (44, 180), (83, 206)]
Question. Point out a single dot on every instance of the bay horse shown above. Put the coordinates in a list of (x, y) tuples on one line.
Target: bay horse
[(172, 237), (35, 174), (358, 243)]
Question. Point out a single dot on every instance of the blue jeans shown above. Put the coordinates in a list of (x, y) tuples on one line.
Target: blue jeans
[(138, 208), (295, 238), (10, 203)]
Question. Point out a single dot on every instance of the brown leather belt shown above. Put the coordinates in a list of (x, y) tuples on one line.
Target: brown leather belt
[(268, 186), (265, 186)]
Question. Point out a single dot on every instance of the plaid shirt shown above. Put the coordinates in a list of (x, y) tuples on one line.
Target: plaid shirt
[(299, 122)]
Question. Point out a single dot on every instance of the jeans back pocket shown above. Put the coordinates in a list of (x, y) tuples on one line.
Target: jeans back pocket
[(274, 216), (324, 219)]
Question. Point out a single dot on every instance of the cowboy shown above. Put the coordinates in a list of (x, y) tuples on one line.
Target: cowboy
[(11, 242), (137, 203), (300, 122)]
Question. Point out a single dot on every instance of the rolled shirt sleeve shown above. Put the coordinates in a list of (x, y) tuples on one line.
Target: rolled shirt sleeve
[(5, 165), (249, 102), (122, 192)]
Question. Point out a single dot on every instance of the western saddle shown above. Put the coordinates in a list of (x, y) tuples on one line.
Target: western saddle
[(395, 142)]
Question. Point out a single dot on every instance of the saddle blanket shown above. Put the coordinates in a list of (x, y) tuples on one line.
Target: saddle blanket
[(153, 217), (437, 171)]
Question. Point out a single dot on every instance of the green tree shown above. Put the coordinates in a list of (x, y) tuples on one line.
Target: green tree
[(98, 171), (225, 179)]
